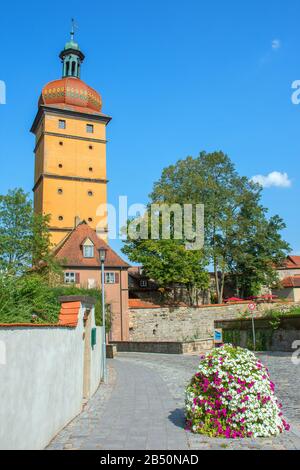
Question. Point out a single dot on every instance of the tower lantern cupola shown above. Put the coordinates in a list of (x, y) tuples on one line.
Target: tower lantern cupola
[(71, 57)]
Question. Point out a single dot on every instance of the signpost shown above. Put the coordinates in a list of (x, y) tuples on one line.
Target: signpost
[(251, 308), (218, 336)]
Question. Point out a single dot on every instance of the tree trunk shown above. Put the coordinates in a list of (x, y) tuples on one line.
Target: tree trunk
[(222, 287), (217, 280)]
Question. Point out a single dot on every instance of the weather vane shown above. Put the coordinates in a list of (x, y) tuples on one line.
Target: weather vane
[(74, 26)]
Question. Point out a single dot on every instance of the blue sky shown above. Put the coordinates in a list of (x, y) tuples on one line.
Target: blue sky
[(177, 78)]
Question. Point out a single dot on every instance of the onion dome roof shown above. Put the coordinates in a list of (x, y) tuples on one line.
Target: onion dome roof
[(73, 92)]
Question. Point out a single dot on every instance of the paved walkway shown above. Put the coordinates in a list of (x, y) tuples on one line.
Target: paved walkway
[(142, 408)]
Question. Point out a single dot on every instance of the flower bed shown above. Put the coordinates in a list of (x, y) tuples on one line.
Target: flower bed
[(232, 396)]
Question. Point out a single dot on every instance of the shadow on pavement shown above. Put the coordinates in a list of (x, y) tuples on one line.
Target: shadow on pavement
[(177, 417)]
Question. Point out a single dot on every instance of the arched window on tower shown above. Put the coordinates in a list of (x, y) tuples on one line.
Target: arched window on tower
[(67, 68), (73, 68)]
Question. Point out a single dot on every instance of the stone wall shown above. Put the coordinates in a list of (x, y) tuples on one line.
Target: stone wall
[(164, 347), (280, 337), (186, 324)]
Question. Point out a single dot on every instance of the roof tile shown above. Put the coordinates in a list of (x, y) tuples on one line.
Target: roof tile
[(71, 251), (138, 303), (69, 312), (291, 281), (292, 262)]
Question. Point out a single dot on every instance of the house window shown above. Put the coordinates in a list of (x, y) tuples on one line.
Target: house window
[(60, 191), (70, 278), (90, 193), (90, 168), (88, 251), (110, 278), (90, 128), (143, 283), (60, 217), (61, 124)]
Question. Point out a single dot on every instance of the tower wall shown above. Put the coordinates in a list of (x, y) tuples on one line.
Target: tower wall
[(70, 170)]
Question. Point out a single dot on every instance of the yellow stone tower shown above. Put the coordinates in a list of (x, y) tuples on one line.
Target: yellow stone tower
[(70, 151)]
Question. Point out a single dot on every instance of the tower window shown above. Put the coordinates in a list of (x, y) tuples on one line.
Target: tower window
[(90, 147), (90, 168), (61, 143), (60, 191), (60, 165), (60, 217), (90, 193), (61, 124), (90, 128)]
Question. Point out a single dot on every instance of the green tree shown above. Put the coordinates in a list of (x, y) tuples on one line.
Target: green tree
[(239, 238), (169, 263), (24, 235)]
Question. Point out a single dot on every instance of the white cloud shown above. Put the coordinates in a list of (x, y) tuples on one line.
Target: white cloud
[(273, 179), (276, 44)]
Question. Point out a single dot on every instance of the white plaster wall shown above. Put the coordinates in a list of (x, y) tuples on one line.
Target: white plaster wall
[(288, 272), (296, 294), (41, 384), (97, 361)]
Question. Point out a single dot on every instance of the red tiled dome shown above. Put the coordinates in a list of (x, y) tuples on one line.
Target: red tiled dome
[(71, 91)]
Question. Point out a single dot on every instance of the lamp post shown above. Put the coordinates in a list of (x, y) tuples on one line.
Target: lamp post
[(102, 256)]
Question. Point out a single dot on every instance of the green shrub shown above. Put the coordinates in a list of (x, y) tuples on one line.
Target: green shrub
[(95, 293), (27, 299), (30, 299)]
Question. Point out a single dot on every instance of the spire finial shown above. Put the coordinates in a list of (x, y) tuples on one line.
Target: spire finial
[(72, 29), (71, 56)]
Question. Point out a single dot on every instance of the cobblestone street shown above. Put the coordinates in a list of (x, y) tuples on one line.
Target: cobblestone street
[(142, 407)]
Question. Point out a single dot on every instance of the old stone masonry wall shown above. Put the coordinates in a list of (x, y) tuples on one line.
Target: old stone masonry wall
[(185, 323)]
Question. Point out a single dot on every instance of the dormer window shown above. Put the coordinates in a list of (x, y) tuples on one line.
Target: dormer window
[(88, 248)]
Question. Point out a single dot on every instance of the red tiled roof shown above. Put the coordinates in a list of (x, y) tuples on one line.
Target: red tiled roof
[(135, 269), (291, 281), (70, 250), (68, 315), (34, 325), (138, 303), (292, 262), (71, 91)]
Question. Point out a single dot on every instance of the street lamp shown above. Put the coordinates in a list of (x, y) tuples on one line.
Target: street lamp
[(102, 256)]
